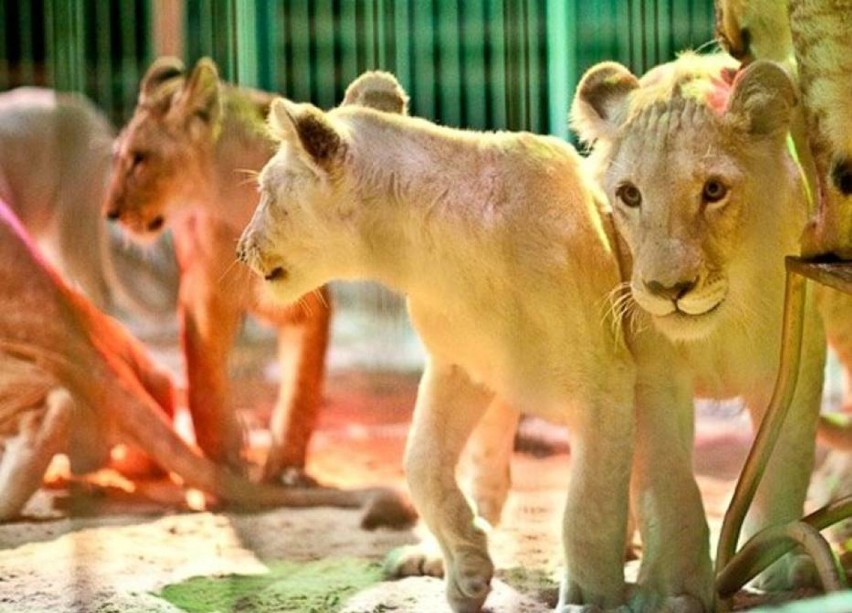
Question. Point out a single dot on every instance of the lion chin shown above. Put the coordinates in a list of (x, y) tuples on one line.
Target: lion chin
[(684, 327)]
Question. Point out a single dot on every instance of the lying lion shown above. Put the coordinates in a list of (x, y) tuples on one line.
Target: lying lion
[(73, 381), (185, 161), (499, 245)]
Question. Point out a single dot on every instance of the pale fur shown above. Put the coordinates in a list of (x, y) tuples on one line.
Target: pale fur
[(55, 154), (187, 160), (72, 380), (726, 336), (499, 245)]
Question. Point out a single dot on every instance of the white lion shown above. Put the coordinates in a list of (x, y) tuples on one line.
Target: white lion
[(500, 246), (709, 202)]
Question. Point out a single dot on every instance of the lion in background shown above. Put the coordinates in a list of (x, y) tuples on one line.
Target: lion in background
[(55, 152)]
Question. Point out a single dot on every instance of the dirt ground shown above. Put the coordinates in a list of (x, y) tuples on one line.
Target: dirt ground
[(125, 547)]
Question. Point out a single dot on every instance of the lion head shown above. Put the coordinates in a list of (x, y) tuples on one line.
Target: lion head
[(306, 190), (161, 159), (693, 159)]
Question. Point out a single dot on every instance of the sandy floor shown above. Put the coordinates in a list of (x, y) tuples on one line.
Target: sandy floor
[(90, 548)]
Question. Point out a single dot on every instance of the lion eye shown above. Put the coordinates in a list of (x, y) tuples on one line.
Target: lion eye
[(714, 190), (630, 195), (137, 158)]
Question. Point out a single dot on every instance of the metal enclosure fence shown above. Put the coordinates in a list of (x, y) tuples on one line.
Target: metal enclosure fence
[(485, 64)]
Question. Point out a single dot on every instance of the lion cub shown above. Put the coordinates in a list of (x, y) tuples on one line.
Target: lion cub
[(499, 245), (184, 161), (693, 157)]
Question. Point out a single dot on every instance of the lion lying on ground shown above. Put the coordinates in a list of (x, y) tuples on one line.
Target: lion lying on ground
[(73, 381), (55, 152), (708, 201), (185, 161), (499, 245)]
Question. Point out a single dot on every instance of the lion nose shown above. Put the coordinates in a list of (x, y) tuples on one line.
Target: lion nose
[(671, 292)]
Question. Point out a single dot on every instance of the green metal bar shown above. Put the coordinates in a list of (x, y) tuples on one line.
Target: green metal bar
[(348, 43), (245, 44), (496, 65), (323, 37), (449, 81), (402, 58), (423, 58), (25, 27), (104, 55), (472, 65), (302, 78), (129, 70), (562, 69)]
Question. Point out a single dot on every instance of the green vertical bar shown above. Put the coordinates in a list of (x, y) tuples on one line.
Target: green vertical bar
[(246, 43), (664, 31), (129, 72), (423, 60), (402, 57), (514, 65), (104, 55), (323, 41), (449, 79), (496, 71), (473, 30), (369, 59), (25, 27), (205, 29), (65, 44), (562, 69), (302, 76), (348, 38), (536, 66)]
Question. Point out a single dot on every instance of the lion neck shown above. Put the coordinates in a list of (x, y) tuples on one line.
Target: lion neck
[(419, 225), (242, 146)]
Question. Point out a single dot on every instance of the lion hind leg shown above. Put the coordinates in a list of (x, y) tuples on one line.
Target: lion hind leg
[(490, 452), (27, 455)]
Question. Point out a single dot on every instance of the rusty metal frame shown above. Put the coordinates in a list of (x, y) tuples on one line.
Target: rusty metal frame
[(734, 569)]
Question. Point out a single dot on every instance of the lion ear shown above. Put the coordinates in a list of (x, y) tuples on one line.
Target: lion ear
[(307, 129), (162, 70), (377, 90), (200, 96), (762, 100), (600, 104)]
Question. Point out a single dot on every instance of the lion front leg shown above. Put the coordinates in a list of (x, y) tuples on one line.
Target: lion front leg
[(209, 322), (447, 409), (302, 345), (595, 519), (43, 432), (676, 573)]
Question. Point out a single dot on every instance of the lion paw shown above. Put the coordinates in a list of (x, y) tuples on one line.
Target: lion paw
[(644, 600), (793, 571), (469, 581), (418, 560)]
